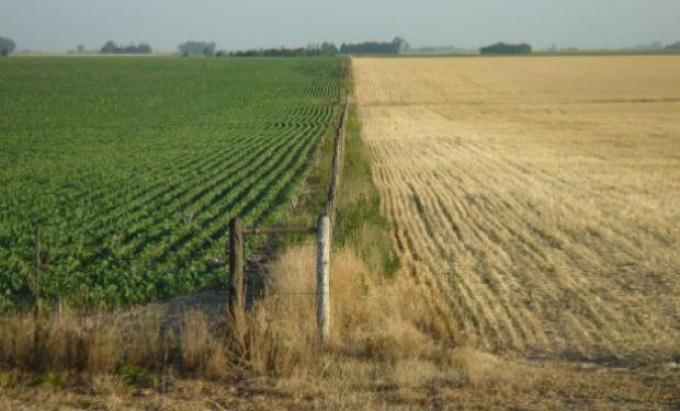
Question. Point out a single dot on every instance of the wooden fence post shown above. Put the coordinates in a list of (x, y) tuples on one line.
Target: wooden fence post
[(37, 309), (37, 279), (236, 264), (323, 314)]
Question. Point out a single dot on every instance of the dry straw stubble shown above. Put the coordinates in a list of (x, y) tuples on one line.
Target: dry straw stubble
[(538, 196)]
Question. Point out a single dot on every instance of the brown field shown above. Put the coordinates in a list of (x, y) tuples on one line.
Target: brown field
[(538, 197)]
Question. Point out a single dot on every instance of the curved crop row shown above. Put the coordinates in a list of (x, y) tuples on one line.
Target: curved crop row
[(132, 168)]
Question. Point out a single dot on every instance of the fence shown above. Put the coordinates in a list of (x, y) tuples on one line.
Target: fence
[(323, 230)]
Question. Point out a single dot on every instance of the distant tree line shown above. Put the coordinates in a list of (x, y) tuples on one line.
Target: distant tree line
[(673, 47), (313, 50), (6, 46), (442, 50), (112, 48), (504, 48), (396, 46), (197, 48)]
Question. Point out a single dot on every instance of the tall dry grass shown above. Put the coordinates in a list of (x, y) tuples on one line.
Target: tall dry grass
[(372, 318)]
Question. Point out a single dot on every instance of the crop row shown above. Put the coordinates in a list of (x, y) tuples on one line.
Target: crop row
[(132, 168)]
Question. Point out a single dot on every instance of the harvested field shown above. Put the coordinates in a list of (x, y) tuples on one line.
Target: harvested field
[(538, 197)]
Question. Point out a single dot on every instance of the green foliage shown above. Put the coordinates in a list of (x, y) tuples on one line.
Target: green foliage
[(52, 380), (396, 46), (112, 48), (134, 167), (673, 47), (359, 220), (323, 49), (193, 48), (504, 48), (7, 379), (136, 376), (6, 46)]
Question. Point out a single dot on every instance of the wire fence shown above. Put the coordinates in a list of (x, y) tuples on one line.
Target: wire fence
[(237, 283)]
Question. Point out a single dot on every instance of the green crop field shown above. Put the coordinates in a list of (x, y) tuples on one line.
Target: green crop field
[(133, 167)]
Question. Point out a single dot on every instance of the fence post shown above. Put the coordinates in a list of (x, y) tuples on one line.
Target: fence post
[(37, 294), (37, 279), (323, 278), (236, 264)]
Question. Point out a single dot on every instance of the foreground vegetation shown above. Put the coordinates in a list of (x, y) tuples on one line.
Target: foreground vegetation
[(119, 176)]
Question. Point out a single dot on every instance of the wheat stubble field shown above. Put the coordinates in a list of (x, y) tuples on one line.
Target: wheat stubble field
[(538, 198)]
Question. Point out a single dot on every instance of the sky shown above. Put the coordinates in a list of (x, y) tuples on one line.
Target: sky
[(59, 25)]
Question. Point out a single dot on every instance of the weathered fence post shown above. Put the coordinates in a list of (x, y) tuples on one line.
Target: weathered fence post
[(37, 309), (236, 264), (323, 314), (37, 279)]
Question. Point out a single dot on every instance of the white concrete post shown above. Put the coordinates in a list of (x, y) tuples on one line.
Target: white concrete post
[(323, 309)]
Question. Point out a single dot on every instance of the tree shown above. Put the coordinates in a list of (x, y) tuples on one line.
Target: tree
[(209, 51), (504, 48), (396, 46), (80, 48), (192, 48), (328, 48), (112, 48), (142, 48), (401, 45), (6, 46), (312, 50), (109, 48), (674, 46)]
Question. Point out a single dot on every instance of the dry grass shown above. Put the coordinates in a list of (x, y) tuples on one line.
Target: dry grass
[(539, 196), (387, 353)]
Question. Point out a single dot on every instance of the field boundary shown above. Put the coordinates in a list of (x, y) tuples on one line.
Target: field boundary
[(325, 222)]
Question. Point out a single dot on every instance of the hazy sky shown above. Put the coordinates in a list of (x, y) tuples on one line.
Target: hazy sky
[(57, 25)]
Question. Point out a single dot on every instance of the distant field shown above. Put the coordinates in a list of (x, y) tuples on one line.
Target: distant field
[(133, 167), (539, 197)]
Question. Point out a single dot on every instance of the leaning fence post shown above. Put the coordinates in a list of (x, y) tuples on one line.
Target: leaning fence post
[(236, 264), (323, 278)]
